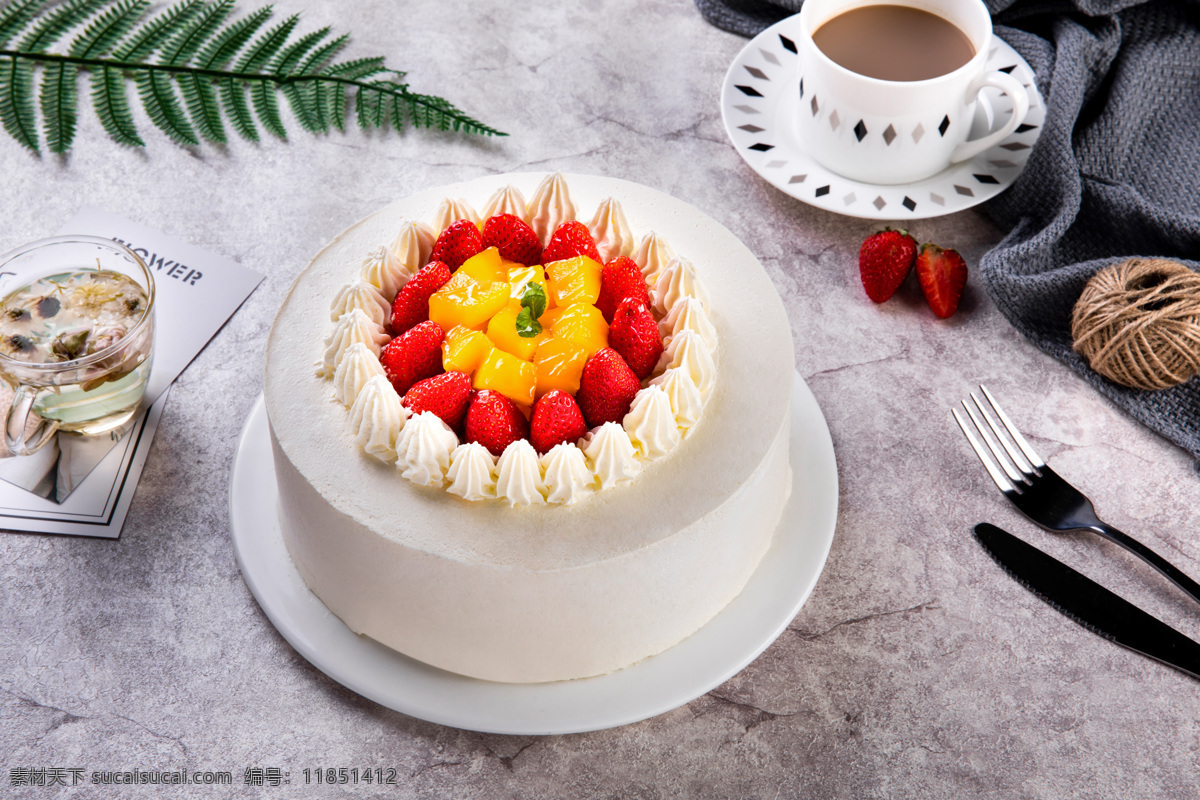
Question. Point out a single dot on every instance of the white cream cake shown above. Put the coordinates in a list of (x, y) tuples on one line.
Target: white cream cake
[(582, 582)]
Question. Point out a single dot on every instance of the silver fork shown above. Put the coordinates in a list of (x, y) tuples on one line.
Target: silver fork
[(1038, 491)]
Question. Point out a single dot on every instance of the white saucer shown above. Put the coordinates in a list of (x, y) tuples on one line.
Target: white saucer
[(758, 103), (703, 661)]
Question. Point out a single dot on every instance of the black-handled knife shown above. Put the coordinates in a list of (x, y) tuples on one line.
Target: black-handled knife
[(1089, 603)]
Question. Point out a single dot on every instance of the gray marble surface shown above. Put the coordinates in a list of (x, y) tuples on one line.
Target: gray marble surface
[(916, 669)]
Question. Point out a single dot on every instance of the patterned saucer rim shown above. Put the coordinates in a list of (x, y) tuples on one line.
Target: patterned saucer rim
[(758, 108)]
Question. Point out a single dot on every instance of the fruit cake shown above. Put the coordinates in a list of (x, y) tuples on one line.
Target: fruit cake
[(538, 444)]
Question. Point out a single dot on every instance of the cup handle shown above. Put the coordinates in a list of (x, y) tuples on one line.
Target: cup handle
[(18, 416), (1011, 87)]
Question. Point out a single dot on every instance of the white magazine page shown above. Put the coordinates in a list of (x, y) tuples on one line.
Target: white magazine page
[(196, 291)]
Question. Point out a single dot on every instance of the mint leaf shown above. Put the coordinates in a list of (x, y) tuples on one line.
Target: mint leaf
[(534, 299), (533, 305), (527, 326)]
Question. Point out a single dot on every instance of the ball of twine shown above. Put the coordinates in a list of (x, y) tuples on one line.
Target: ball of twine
[(1138, 323)]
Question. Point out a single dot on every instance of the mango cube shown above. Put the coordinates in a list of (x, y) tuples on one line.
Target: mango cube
[(486, 267), (551, 316), (519, 277), (559, 365), (464, 301), (582, 324), (502, 330), (573, 280), (512, 377), (464, 349)]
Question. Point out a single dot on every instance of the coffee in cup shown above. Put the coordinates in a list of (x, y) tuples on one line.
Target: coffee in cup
[(894, 43), (888, 90)]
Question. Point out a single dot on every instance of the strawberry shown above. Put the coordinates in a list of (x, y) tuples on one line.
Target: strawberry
[(606, 388), (569, 240), (884, 261), (515, 240), (411, 305), (634, 334), (495, 421), (621, 279), (556, 419), (446, 395), (457, 243), (943, 274), (412, 356)]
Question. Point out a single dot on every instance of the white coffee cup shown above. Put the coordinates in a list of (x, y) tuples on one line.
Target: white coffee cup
[(887, 132)]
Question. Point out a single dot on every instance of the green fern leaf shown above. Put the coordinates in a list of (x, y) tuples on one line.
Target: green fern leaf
[(233, 97), (330, 101), (217, 53), (399, 110), (99, 37), (358, 70), (162, 104), (112, 106), (199, 92), (303, 101), (200, 97), (377, 103), (192, 36), (15, 16), (266, 105), (369, 108), (286, 60), (302, 98), (404, 107), (451, 118), (426, 115), (152, 34), (17, 112), (54, 26), (262, 93), (336, 100), (318, 107), (361, 107), (265, 47), (319, 58), (58, 98), (225, 45)]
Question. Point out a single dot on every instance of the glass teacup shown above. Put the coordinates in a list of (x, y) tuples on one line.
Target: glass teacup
[(76, 337)]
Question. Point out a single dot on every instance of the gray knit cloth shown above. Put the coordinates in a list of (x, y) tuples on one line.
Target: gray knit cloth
[(1115, 172)]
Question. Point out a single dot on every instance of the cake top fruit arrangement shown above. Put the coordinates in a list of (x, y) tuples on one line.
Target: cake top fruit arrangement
[(522, 354)]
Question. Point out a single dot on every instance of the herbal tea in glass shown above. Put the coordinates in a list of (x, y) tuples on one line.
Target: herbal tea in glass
[(76, 337)]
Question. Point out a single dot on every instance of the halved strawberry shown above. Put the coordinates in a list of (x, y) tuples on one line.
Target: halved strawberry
[(884, 261), (446, 395), (606, 388), (569, 240), (943, 274), (634, 334), (411, 306), (621, 279), (495, 421), (556, 419), (413, 356), (457, 243), (515, 240)]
